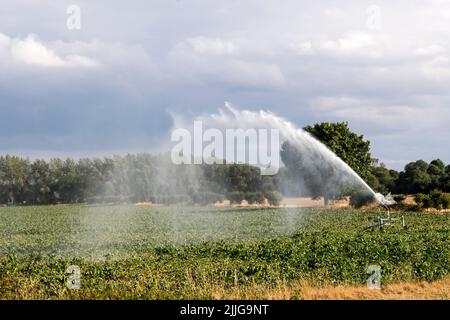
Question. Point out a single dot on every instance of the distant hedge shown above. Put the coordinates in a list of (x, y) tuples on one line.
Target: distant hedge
[(436, 199)]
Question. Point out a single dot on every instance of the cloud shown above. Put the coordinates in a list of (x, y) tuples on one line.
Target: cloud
[(430, 50), (380, 116), (207, 46), (395, 131), (334, 12), (109, 85), (355, 42), (33, 52), (302, 47), (214, 60), (438, 68)]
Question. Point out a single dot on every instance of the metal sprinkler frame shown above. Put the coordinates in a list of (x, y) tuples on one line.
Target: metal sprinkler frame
[(380, 222)]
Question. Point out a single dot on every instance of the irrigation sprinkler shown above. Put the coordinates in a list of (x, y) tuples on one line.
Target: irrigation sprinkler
[(381, 222)]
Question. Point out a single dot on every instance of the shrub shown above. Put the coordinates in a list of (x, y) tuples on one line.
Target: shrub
[(435, 198), (360, 198), (236, 196), (445, 200), (274, 197), (419, 199), (426, 202), (254, 197)]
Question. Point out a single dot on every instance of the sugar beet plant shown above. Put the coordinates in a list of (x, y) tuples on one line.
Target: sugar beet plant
[(190, 252)]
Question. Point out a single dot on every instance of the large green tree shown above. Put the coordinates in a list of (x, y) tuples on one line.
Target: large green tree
[(446, 180), (317, 176), (347, 145), (421, 177), (415, 178), (436, 170), (382, 179)]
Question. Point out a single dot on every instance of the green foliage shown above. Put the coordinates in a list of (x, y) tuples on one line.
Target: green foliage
[(427, 202), (435, 199), (359, 199), (273, 197), (347, 145), (131, 178), (126, 252), (254, 197), (382, 179), (236, 196), (415, 178), (319, 178), (419, 198), (445, 200), (436, 171)]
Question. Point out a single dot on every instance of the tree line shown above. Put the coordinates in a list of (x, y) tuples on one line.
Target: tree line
[(417, 177), (146, 177), (130, 178)]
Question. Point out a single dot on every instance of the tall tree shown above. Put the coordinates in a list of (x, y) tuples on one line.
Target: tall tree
[(320, 178), (382, 179), (39, 182), (436, 170), (351, 147), (446, 180), (415, 178)]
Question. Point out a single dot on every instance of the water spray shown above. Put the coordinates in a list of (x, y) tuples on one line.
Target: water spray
[(317, 158)]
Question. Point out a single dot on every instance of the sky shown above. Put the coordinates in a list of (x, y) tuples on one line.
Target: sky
[(85, 78)]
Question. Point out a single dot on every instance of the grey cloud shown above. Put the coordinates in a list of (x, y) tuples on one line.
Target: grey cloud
[(113, 82)]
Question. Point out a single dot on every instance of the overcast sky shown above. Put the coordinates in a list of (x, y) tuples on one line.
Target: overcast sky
[(110, 86)]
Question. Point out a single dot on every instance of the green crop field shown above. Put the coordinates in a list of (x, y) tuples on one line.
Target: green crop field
[(188, 252)]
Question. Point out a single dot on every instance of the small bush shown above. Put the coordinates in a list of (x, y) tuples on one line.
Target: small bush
[(254, 197), (360, 198), (445, 200), (426, 202), (274, 197), (435, 198), (236, 196), (419, 199)]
